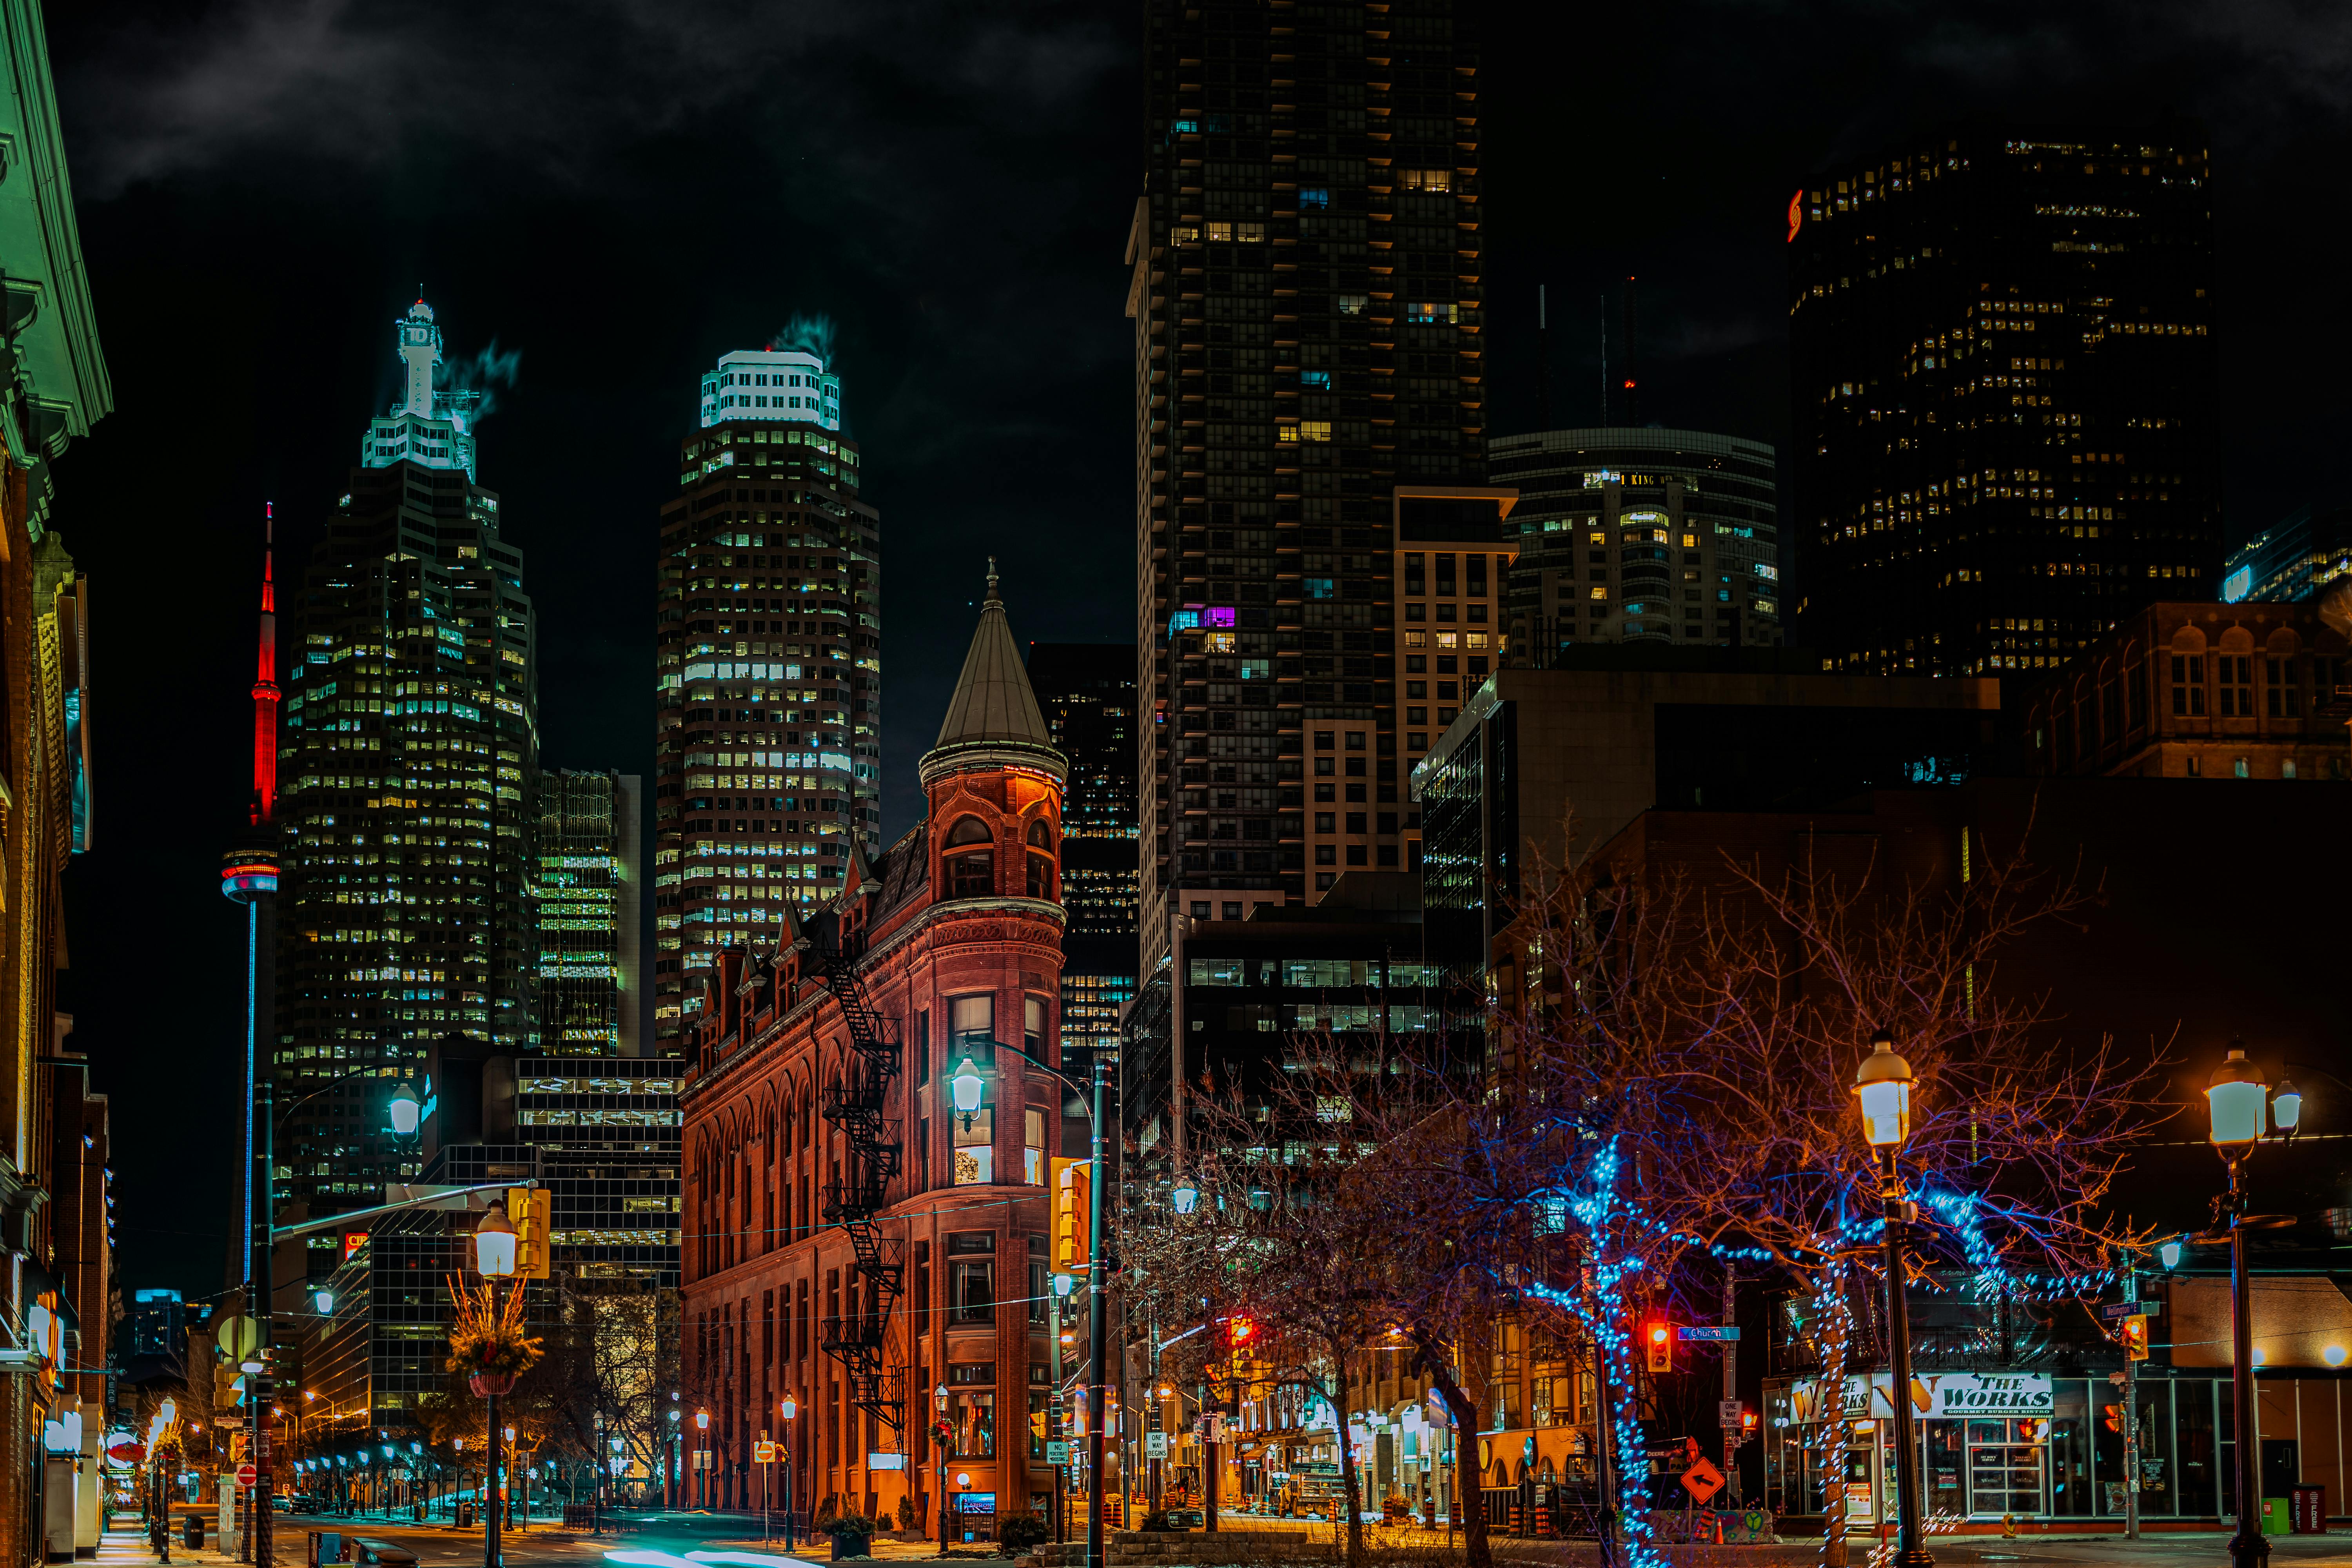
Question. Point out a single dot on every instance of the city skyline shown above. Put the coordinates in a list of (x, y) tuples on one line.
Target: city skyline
[(584, 429)]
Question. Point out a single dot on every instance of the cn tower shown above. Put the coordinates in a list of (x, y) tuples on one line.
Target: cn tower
[(249, 876)]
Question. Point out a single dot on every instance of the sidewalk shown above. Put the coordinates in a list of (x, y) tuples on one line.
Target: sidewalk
[(127, 1543)]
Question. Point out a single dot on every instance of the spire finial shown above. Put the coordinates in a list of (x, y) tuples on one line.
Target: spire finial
[(991, 580)]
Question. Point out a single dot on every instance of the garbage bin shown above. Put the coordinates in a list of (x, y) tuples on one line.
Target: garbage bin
[(195, 1533), (2307, 1509), (464, 1515), (2275, 1516)]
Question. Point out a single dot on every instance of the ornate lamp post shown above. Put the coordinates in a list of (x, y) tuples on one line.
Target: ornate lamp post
[(944, 1435), (494, 1259), (789, 1409), (2235, 1098), (1882, 1088)]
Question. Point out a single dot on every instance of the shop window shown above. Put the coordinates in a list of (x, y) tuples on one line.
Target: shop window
[(971, 1278), (971, 1409)]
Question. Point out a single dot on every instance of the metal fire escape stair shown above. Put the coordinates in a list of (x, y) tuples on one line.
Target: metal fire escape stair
[(854, 1105)]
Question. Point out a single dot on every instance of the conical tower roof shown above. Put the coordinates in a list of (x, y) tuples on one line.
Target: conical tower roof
[(993, 715)]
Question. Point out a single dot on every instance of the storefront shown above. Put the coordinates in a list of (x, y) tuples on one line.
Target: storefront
[(2015, 1445)]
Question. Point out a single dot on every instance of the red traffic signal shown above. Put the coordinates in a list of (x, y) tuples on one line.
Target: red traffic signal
[(1239, 1332), (1659, 1337), (2136, 1338)]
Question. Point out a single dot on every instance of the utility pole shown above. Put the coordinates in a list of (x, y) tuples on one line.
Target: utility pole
[(1730, 1411), (2131, 1412), (1099, 1287)]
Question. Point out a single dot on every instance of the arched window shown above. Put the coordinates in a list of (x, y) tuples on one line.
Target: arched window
[(970, 873), (1041, 865)]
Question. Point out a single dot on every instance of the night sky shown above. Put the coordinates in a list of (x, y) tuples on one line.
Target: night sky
[(620, 190)]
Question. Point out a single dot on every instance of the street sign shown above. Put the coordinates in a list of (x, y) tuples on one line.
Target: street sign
[(1729, 1412), (764, 1453), (2115, 1310), (246, 1475), (1155, 1445), (1706, 1331), (1703, 1480), (1058, 1452), (885, 1461)]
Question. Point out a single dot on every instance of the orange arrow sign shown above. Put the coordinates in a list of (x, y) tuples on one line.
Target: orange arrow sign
[(1703, 1480)]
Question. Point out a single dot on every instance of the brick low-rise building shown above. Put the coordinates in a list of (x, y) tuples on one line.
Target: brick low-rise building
[(2199, 690), (853, 1242)]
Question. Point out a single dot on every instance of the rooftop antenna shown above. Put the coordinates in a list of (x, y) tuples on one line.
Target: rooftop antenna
[(1605, 356), (1543, 360), (1632, 408)]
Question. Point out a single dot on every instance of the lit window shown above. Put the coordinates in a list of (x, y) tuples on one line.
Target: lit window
[(1314, 198), (1315, 429)]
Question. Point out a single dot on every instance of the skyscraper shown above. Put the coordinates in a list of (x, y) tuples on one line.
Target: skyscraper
[(591, 871), (2004, 380), (1086, 691), (2295, 558), (769, 668), (1307, 307), (408, 766), (1630, 534)]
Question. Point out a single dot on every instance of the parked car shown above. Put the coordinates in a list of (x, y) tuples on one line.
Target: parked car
[(368, 1551)]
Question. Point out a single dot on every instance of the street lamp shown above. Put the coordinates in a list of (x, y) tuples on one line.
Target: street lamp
[(702, 1455), (789, 1408), (1185, 1196), (404, 1109), (2235, 1098), (494, 1259), (943, 1435), (967, 1085), (1883, 1089)]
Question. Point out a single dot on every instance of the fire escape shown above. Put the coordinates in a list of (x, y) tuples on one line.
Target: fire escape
[(854, 1105)]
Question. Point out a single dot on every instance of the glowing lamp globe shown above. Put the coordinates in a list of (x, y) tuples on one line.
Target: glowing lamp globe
[(2169, 1252), (1882, 1085), (2234, 1097), (405, 1109), (2286, 1106), (791, 1407), (1063, 1284), (967, 1085), (494, 1243), (1186, 1197), (324, 1301)]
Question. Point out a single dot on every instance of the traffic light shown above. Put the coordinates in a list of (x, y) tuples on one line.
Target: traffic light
[(1239, 1333), (530, 1209), (1073, 1215), (2136, 1337), (2113, 1417), (1659, 1336)]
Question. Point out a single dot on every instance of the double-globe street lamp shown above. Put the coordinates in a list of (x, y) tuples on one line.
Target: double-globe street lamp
[(2236, 1101), (494, 1259), (1883, 1087)]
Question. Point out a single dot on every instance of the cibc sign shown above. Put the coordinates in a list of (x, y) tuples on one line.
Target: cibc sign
[(1954, 1395)]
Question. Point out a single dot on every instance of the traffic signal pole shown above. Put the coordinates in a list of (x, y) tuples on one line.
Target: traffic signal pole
[(1097, 1287), (2131, 1412)]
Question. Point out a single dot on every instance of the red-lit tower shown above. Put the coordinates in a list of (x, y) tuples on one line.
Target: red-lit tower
[(249, 876), (250, 868)]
